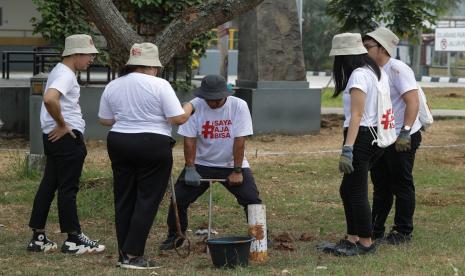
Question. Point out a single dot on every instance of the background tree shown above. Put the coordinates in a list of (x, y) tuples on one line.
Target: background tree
[(318, 30), (356, 15), (171, 24), (404, 17)]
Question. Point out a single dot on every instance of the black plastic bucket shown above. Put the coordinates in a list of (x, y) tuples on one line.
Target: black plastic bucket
[(228, 252)]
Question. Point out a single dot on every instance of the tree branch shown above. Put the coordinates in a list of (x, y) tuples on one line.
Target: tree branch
[(196, 20), (118, 33), (193, 21)]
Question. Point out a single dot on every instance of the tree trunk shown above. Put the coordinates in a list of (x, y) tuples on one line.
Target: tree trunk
[(192, 22), (117, 32)]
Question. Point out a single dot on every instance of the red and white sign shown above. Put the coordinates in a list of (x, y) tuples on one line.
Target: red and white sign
[(450, 39)]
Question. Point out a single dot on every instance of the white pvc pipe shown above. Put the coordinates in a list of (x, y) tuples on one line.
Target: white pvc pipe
[(257, 229)]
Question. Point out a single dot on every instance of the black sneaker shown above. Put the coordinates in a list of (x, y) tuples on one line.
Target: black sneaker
[(40, 243), (332, 248), (395, 238), (80, 244), (138, 263), (356, 250), (168, 244)]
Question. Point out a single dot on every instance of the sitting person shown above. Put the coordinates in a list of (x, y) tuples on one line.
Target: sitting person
[(214, 143)]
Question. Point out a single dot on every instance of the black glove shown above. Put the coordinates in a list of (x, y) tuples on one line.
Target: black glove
[(191, 176), (345, 161), (403, 141)]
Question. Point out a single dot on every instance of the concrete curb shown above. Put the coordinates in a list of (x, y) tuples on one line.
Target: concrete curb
[(442, 79), (319, 74), (422, 79)]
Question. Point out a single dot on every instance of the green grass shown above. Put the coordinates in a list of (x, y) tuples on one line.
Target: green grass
[(301, 195), (438, 98)]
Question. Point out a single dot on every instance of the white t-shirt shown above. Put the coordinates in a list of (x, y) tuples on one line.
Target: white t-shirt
[(215, 130), (63, 79), (365, 80), (401, 80), (140, 103)]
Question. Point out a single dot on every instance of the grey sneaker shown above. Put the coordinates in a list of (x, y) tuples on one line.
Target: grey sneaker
[(138, 263), (396, 238), (168, 244), (356, 250), (332, 248)]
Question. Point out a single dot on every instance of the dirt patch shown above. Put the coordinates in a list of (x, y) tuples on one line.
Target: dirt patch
[(306, 237), (454, 95), (331, 121), (96, 182), (284, 241), (435, 199)]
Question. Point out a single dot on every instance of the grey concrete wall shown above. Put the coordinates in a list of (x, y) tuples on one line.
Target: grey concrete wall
[(210, 63), (280, 107), (276, 107), (14, 109), (89, 102)]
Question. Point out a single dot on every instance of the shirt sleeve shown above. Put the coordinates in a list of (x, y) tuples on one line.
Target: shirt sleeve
[(243, 120), (358, 79), (105, 111), (169, 102), (63, 83), (188, 128), (404, 79)]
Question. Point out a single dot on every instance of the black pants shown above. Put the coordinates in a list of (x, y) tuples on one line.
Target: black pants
[(246, 193), (141, 164), (63, 168), (392, 176), (354, 187)]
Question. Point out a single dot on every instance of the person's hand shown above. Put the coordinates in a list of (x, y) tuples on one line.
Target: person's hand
[(345, 161), (235, 179), (191, 176), (403, 141), (60, 131)]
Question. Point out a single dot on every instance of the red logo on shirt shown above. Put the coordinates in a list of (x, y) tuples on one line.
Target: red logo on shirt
[(218, 129), (388, 119)]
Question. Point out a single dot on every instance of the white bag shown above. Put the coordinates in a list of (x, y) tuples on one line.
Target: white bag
[(386, 126), (424, 112)]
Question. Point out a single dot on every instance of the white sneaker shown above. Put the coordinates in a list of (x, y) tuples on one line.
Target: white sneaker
[(81, 244), (41, 244)]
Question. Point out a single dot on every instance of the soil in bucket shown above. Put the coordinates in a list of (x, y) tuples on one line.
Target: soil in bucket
[(229, 252)]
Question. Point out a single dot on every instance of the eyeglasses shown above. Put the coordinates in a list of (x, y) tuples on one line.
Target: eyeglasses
[(368, 47)]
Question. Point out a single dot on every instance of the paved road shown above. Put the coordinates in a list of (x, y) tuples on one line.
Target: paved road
[(22, 79)]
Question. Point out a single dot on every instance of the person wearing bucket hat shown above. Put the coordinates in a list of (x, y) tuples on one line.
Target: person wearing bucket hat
[(214, 145), (63, 127), (140, 109), (392, 174), (358, 77)]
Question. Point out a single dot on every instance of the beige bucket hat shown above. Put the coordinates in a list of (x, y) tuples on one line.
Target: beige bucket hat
[(347, 44), (386, 38), (145, 54), (79, 44)]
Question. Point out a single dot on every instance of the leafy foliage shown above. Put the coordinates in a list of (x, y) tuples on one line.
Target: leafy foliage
[(318, 30), (61, 18), (404, 17), (359, 15)]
